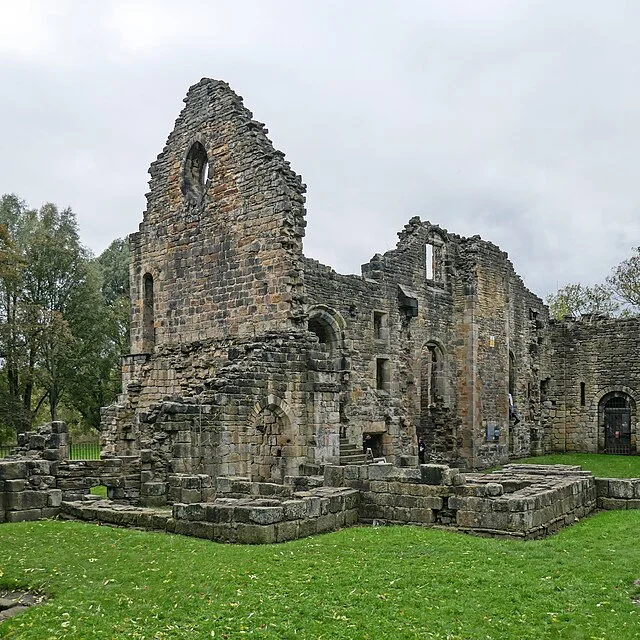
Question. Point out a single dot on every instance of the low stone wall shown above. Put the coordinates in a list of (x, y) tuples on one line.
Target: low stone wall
[(28, 490), (520, 501), (247, 518), (121, 477), (617, 493)]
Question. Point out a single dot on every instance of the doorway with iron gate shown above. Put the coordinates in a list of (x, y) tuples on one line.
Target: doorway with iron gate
[(616, 418)]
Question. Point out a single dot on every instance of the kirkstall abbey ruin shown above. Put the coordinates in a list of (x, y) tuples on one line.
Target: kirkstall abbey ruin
[(267, 397), (274, 362)]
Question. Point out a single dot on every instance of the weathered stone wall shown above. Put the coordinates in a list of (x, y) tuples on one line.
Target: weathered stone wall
[(222, 233), (521, 501), (444, 313), (599, 354)]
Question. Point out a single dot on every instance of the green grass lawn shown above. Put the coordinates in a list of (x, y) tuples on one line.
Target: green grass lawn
[(379, 583), (602, 465)]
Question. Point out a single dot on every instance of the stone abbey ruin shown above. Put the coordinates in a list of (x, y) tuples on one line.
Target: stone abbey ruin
[(267, 397)]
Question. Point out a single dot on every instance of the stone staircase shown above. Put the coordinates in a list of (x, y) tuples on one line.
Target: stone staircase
[(350, 453)]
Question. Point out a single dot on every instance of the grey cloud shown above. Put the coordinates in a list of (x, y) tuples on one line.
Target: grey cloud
[(516, 121)]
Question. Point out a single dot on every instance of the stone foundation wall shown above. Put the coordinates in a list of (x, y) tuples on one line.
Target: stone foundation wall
[(618, 493), (520, 501)]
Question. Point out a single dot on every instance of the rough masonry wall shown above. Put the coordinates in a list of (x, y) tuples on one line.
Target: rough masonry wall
[(505, 355), (600, 354), (222, 233)]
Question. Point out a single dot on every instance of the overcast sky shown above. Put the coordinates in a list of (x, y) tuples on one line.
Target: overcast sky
[(516, 120)]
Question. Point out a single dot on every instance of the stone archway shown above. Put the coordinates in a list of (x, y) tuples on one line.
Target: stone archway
[(271, 441), (616, 423)]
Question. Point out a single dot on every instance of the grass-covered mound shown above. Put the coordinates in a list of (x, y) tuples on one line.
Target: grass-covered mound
[(600, 464), (385, 582)]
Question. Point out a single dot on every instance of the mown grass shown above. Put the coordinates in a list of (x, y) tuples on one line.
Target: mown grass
[(600, 464), (378, 583)]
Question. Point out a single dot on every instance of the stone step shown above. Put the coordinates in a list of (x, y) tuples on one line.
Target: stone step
[(358, 458)]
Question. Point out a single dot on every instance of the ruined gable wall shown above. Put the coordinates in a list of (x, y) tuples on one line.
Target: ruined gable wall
[(224, 256), (601, 354)]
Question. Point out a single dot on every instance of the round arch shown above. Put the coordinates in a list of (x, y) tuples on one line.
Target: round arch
[(328, 325), (617, 420)]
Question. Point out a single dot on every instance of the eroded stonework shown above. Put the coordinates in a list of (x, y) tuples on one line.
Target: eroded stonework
[(249, 359)]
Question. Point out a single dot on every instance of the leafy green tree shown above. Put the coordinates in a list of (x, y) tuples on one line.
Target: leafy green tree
[(63, 316), (578, 300), (625, 280)]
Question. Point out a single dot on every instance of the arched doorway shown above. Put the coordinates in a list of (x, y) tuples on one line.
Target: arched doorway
[(615, 415)]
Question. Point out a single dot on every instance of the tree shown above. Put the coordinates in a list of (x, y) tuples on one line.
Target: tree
[(625, 280), (63, 316), (578, 300)]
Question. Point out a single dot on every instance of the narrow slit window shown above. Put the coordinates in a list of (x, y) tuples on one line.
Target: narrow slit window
[(428, 261), (582, 394), (148, 330)]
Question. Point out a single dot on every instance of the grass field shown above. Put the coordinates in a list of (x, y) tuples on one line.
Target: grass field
[(377, 583), (602, 465)]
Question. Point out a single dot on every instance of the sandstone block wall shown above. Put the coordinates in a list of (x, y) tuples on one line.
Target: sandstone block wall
[(589, 360)]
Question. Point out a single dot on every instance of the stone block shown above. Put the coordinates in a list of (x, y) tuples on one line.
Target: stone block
[(380, 470), (15, 485), (23, 515), (611, 504), (327, 522), (621, 489), (256, 534), (333, 476), (294, 509), (287, 530), (266, 515), (191, 495), (433, 473), (494, 489), (421, 516), (307, 527), (55, 498), (13, 470), (26, 500), (154, 489)]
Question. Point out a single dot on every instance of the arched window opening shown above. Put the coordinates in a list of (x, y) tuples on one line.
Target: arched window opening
[(196, 173), (615, 413), (148, 329), (512, 374), (432, 376), (323, 331)]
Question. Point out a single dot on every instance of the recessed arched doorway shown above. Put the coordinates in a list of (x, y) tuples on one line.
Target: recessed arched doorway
[(615, 413)]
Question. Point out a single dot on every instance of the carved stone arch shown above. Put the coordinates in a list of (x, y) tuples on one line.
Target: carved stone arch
[(271, 403), (329, 325), (617, 419), (195, 170), (271, 440)]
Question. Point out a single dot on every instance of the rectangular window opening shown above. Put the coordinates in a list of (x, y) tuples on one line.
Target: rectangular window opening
[(582, 394), (428, 261), (380, 325), (383, 374)]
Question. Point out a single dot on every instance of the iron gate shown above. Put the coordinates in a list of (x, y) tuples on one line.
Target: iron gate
[(617, 426)]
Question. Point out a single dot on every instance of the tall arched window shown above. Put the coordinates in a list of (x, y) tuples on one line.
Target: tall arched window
[(512, 374), (432, 376), (148, 329), (195, 173)]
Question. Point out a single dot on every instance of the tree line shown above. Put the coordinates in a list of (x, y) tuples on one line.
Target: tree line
[(619, 295), (64, 318)]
